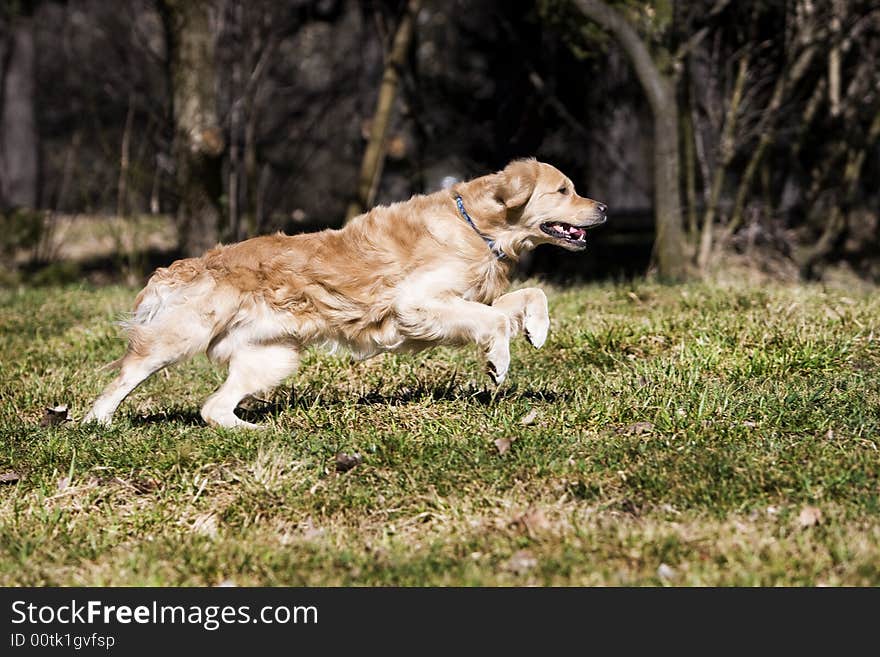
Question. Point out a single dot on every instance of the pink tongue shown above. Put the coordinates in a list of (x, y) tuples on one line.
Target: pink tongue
[(571, 231)]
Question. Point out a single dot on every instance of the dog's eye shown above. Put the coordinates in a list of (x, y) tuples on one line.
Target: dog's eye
[(563, 190)]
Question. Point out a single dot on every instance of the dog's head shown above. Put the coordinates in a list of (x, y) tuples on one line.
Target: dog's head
[(541, 206)]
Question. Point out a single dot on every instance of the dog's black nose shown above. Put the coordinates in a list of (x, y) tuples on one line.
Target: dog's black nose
[(602, 207)]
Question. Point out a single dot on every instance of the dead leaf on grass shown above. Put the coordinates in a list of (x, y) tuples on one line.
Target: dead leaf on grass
[(629, 506), (810, 516), (503, 444), (637, 428), (529, 418), (345, 462), (54, 416), (9, 477), (139, 486), (533, 521)]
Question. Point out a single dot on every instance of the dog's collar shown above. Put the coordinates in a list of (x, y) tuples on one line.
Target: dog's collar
[(498, 253)]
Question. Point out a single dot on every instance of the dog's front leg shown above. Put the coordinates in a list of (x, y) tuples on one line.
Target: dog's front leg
[(527, 311), (456, 321)]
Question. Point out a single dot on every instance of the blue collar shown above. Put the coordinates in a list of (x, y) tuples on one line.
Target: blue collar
[(498, 253)]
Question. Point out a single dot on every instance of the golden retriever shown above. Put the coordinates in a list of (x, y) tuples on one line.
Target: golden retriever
[(428, 271)]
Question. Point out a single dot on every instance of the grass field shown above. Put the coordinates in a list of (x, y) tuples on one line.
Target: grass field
[(697, 435)]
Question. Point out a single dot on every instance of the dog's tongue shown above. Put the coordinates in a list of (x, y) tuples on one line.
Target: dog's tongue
[(572, 232)]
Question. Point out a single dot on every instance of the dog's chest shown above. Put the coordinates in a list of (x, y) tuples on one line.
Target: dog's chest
[(487, 283)]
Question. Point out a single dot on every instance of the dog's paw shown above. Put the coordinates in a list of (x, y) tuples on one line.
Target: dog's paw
[(497, 365), (535, 330), (94, 418), (229, 420), (492, 371)]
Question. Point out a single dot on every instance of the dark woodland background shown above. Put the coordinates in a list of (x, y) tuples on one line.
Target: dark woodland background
[(713, 129)]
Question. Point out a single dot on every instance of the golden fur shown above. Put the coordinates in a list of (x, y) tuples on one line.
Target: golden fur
[(400, 277)]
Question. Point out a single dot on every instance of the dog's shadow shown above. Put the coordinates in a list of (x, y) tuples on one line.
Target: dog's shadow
[(258, 410), (177, 415), (403, 396), (483, 397)]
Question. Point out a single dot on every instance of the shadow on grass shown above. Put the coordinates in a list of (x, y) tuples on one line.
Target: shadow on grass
[(188, 417), (258, 410), (403, 397), (449, 393)]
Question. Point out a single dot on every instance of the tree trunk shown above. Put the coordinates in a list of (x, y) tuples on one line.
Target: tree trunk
[(199, 140), (834, 59), (235, 155), (124, 161), (670, 248), (71, 160), (254, 183), (690, 168), (253, 218), (374, 156), (787, 80), (726, 152), (19, 145), (836, 222)]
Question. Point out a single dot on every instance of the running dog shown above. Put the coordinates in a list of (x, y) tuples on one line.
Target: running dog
[(428, 271)]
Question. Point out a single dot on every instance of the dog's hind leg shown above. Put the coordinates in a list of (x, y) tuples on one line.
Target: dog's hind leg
[(252, 368), (142, 359), (156, 339), (527, 311)]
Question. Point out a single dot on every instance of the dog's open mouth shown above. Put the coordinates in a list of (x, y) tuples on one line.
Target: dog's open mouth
[(567, 232)]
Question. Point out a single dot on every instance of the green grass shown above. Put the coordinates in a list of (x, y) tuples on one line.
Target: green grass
[(680, 433)]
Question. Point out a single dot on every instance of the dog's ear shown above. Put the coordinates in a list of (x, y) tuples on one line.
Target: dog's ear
[(516, 183)]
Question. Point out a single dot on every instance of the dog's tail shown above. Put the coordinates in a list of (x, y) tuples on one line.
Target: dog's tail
[(179, 311), (167, 289), (129, 323)]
